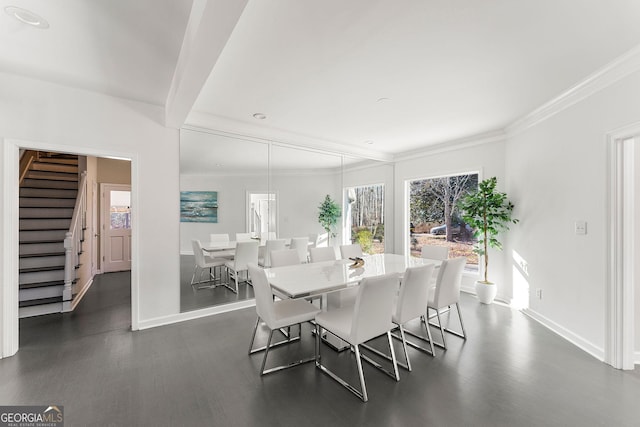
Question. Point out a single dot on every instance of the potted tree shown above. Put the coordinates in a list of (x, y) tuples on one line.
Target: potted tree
[(488, 213), (328, 216)]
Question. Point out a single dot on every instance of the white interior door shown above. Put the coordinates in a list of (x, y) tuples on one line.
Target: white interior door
[(116, 227)]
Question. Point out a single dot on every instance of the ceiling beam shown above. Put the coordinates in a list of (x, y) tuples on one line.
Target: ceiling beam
[(210, 25)]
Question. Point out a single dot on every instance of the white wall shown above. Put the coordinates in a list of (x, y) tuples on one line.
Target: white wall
[(485, 158), (557, 174), (637, 249), (78, 121)]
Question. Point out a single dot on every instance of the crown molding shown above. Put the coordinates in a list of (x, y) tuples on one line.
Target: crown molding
[(200, 120), (606, 76), (452, 145)]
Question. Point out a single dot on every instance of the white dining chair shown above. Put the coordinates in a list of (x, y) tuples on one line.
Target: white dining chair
[(350, 251), (243, 237), (313, 240), (445, 294), (369, 318), (246, 253), (268, 235), (284, 257), (325, 253), (276, 315), (301, 244), (203, 263), (271, 245), (412, 300), (221, 238), (434, 252)]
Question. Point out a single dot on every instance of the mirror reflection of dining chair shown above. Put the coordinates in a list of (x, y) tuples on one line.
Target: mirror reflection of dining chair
[(445, 294), (434, 252), (204, 263), (221, 238), (243, 237), (301, 244), (277, 315), (284, 257), (268, 235), (271, 245), (369, 318), (325, 253), (246, 253), (350, 251), (313, 240)]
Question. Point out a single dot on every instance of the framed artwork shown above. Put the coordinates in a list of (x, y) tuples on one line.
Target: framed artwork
[(198, 206)]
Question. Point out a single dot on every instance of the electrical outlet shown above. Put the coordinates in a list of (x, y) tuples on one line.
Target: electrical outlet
[(539, 293)]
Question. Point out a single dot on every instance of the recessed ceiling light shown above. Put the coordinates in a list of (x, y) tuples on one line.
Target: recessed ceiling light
[(259, 116), (27, 17), (368, 141), (383, 99)]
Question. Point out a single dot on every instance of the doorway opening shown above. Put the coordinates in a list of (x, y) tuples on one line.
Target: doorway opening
[(85, 264)]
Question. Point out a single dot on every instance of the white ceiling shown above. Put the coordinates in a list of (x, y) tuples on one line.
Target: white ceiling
[(449, 69)]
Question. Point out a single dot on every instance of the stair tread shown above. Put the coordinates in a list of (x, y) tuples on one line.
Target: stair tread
[(41, 284), (29, 242), (41, 255), (43, 301), (36, 269)]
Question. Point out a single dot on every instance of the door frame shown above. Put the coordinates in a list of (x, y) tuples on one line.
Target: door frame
[(620, 302), (9, 324), (104, 221)]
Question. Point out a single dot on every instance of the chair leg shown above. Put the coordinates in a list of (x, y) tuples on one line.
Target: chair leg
[(266, 353), (404, 347), (253, 338), (193, 276), (426, 326), (464, 334), (363, 386), (444, 342), (393, 357), (317, 345)]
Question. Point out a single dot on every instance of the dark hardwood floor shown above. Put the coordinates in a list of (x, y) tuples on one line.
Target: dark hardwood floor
[(509, 372)]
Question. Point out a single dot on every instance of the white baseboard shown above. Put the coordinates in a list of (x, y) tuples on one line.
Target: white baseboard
[(636, 359), (196, 314), (573, 338), (80, 294)]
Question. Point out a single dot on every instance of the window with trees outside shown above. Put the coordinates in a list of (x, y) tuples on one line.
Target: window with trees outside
[(435, 219), (364, 215)]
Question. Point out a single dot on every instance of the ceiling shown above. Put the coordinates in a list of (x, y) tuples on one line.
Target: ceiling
[(374, 77)]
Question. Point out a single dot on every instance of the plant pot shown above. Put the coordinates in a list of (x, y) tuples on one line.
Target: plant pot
[(486, 292)]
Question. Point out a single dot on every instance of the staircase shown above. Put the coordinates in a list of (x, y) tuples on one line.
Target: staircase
[(48, 194)]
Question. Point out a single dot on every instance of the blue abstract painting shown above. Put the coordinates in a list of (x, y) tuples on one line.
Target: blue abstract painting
[(198, 206)]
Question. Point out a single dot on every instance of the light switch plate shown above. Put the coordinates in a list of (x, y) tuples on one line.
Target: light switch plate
[(581, 227)]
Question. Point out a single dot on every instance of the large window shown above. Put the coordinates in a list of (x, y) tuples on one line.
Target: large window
[(364, 214), (435, 219)]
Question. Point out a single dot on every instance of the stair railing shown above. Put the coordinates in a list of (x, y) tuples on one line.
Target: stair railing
[(27, 158), (73, 242)]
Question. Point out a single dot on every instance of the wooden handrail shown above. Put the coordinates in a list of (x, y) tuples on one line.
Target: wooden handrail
[(25, 162)]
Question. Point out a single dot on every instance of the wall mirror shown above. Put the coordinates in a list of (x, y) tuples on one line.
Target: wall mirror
[(249, 189)]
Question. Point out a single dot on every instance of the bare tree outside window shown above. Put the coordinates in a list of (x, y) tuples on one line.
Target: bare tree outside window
[(435, 219)]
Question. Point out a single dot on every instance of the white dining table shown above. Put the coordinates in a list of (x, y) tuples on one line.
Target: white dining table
[(306, 280)]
